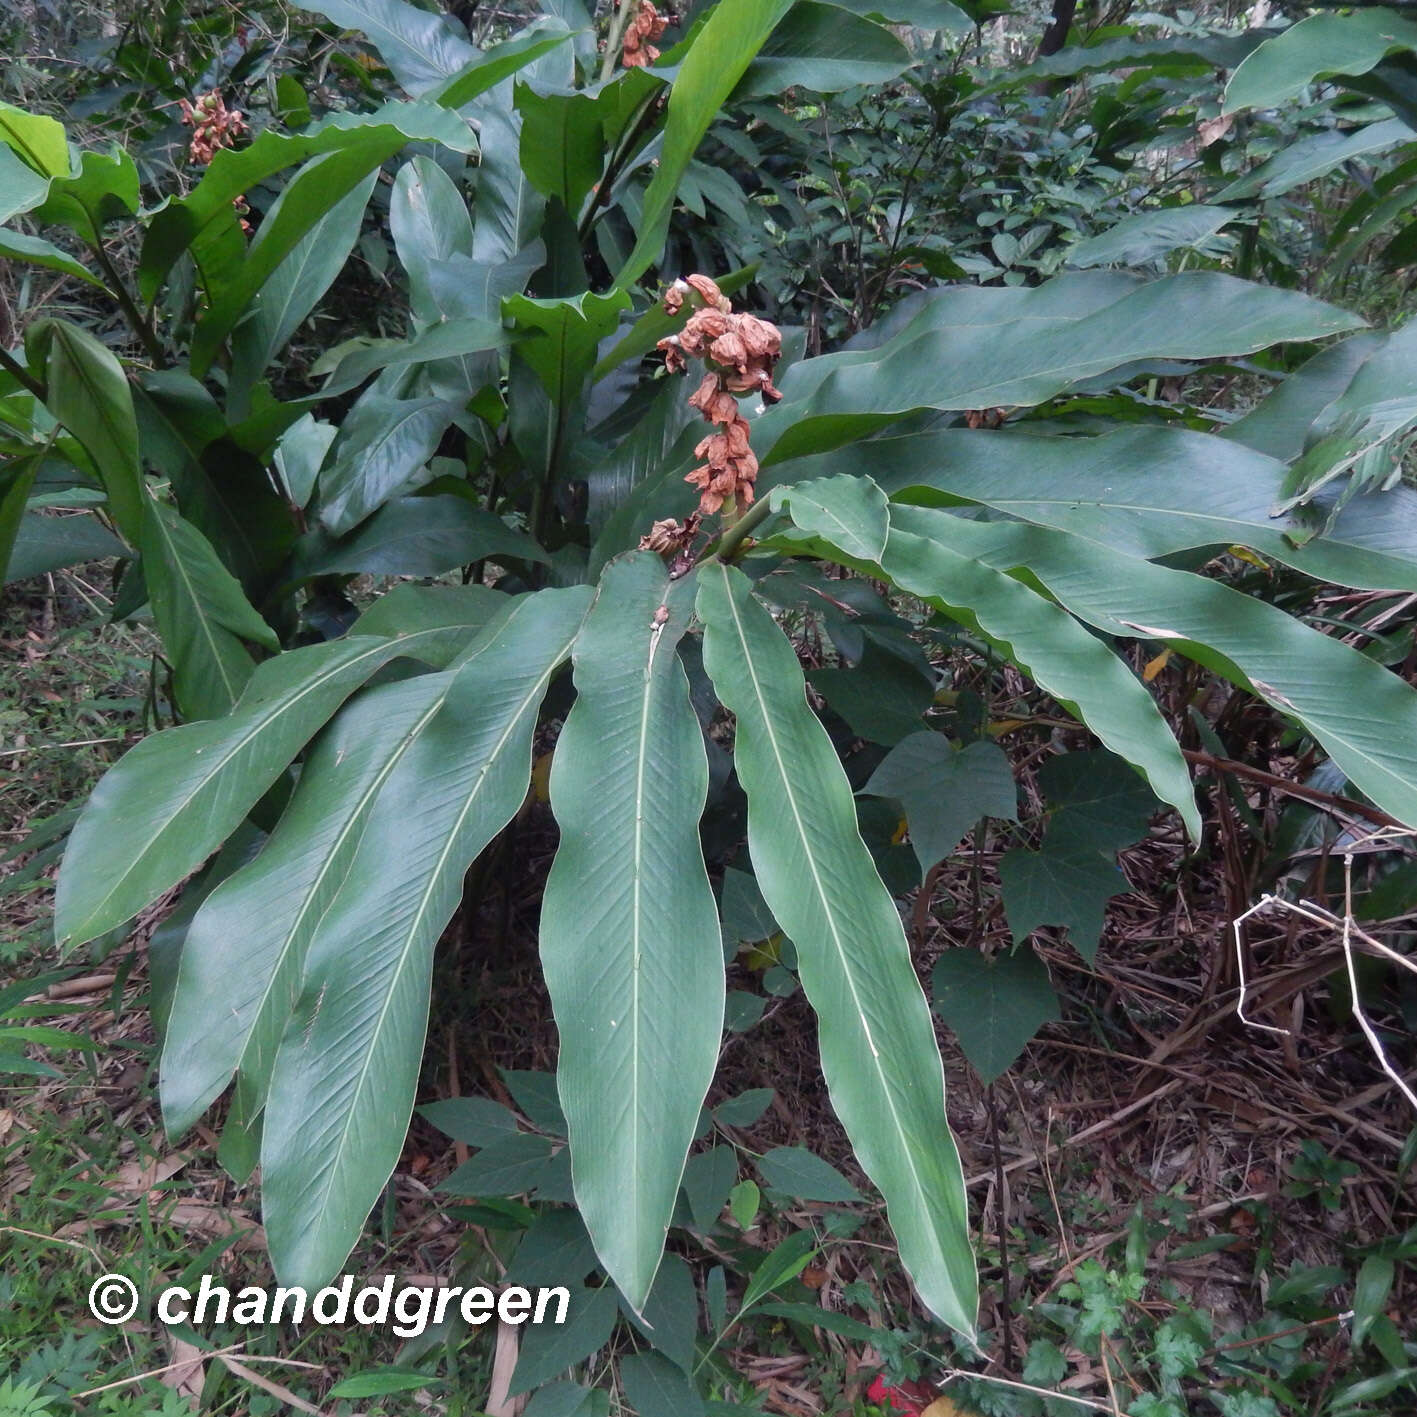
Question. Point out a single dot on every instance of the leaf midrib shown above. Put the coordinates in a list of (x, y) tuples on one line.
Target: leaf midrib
[(239, 744), (791, 799), (362, 1077)]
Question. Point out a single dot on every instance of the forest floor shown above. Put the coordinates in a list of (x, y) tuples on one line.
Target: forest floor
[(1150, 1158)]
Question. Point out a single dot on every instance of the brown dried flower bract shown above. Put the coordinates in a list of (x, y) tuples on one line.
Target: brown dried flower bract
[(644, 28), (739, 352)]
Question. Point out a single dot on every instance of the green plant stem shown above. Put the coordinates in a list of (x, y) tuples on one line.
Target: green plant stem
[(129, 306), (13, 367), (616, 38), (734, 537)]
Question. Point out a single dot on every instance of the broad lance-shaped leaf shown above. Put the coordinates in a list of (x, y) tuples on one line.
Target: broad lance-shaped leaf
[(422, 47), (87, 391), (629, 930), (1071, 664), (1146, 491), (878, 1047), (1363, 715), (201, 612), (292, 291), (343, 1081), (1321, 44), (169, 802), (222, 1018), (204, 220), (970, 348)]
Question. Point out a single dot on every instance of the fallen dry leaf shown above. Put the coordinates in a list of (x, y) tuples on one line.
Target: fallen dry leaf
[(185, 1375), (135, 1177)]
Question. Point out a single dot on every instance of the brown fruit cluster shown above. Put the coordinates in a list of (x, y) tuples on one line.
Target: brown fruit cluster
[(213, 125), (646, 26), (739, 352)]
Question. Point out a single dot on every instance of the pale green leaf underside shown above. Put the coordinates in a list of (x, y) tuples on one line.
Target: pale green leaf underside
[(342, 1084), (173, 799), (629, 929), (878, 1047), (1363, 715)]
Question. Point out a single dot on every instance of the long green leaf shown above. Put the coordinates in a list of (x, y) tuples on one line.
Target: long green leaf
[(16, 246), (343, 1081), (733, 33), (48, 543), (383, 443), (224, 1019), (878, 1045), (1144, 490), (1065, 659), (824, 48), (292, 291), (970, 349), (1284, 66), (201, 614), (423, 48), (86, 391), (15, 483), (204, 220), (1365, 716), (629, 931), (164, 807)]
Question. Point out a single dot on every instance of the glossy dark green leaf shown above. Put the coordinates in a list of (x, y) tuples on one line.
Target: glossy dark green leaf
[(970, 348), (1300, 672), (1151, 492), (1149, 236), (430, 222), (450, 339), (1073, 665), (561, 144), (201, 613), (15, 482), (1326, 43), (293, 290), (382, 446), (629, 929), (824, 48), (16, 246), (419, 536), (423, 48), (86, 391), (49, 543), (204, 221), (276, 905), (878, 1049), (994, 1004)]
